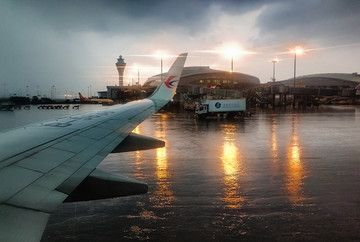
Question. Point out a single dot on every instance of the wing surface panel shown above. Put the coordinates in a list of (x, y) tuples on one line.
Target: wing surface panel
[(14, 179), (30, 141), (45, 160), (17, 224), (70, 164)]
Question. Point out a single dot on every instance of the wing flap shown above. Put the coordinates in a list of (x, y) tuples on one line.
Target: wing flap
[(138, 142), (101, 185)]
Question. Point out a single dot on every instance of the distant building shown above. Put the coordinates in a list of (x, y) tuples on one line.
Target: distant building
[(342, 84), (102, 94), (199, 81), (194, 80), (204, 76), (315, 89), (325, 81), (120, 65), (126, 93)]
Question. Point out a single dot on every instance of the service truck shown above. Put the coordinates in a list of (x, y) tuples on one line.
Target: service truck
[(230, 107)]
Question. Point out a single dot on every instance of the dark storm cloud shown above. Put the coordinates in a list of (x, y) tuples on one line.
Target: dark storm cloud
[(279, 20), (48, 42), (328, 22), (109, 15), (117, 15), (80, 15)]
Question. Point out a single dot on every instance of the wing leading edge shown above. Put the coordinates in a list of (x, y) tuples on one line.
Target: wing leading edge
[(42, 164)]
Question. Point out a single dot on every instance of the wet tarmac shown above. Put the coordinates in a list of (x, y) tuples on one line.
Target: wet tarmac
[(275, 176)]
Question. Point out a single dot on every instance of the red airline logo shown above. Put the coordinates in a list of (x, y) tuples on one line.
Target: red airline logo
[(169, 82)]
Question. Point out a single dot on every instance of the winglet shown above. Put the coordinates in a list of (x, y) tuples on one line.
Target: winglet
[(166, 90)]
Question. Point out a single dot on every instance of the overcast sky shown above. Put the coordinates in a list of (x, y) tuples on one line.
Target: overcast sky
[(74, 44)]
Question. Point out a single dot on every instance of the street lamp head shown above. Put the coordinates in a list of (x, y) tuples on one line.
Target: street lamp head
[(231, 51), (276, 60), (161, 54), (298, 50)]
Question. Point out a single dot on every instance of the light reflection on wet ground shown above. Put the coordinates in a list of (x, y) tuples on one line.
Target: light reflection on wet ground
[(233, 167), (274, 176), (294, 167)]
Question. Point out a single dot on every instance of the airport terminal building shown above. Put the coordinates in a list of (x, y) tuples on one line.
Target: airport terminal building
[(204, 76), (329, 88), (326, 80), (195, 82), (202, 80), (342, 84)]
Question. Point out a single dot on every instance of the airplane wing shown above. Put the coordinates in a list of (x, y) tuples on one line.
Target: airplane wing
[(44, 164)]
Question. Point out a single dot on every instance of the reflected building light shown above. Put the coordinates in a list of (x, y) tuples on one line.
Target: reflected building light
[(230, 155), (161, 163), (163, 195), (138, 157), (139, 165), (295, 172), (275, 166), (274, 147), (137, 130), (231, 162)]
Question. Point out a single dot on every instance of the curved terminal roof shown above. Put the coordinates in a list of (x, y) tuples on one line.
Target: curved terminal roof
[(326, 80), (197, 75)]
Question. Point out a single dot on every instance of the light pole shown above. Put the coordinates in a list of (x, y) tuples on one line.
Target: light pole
[(138, 74), (233, 51), (161, 67), (294, 69), (4, 89), (274, 61), (53, 92), (296, 51), (37, 90), (138, 82), (230, 51), (160, 54)]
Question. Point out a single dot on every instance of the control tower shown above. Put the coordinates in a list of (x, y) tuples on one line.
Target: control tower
[(120, 65)]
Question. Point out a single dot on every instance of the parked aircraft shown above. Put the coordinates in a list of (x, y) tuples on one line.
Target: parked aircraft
[(94, 100), (45, 164)]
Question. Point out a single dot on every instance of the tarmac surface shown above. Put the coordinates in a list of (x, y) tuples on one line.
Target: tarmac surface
[(276, 176)]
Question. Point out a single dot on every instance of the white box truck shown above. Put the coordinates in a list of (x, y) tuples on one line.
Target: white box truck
[(230, 107)]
